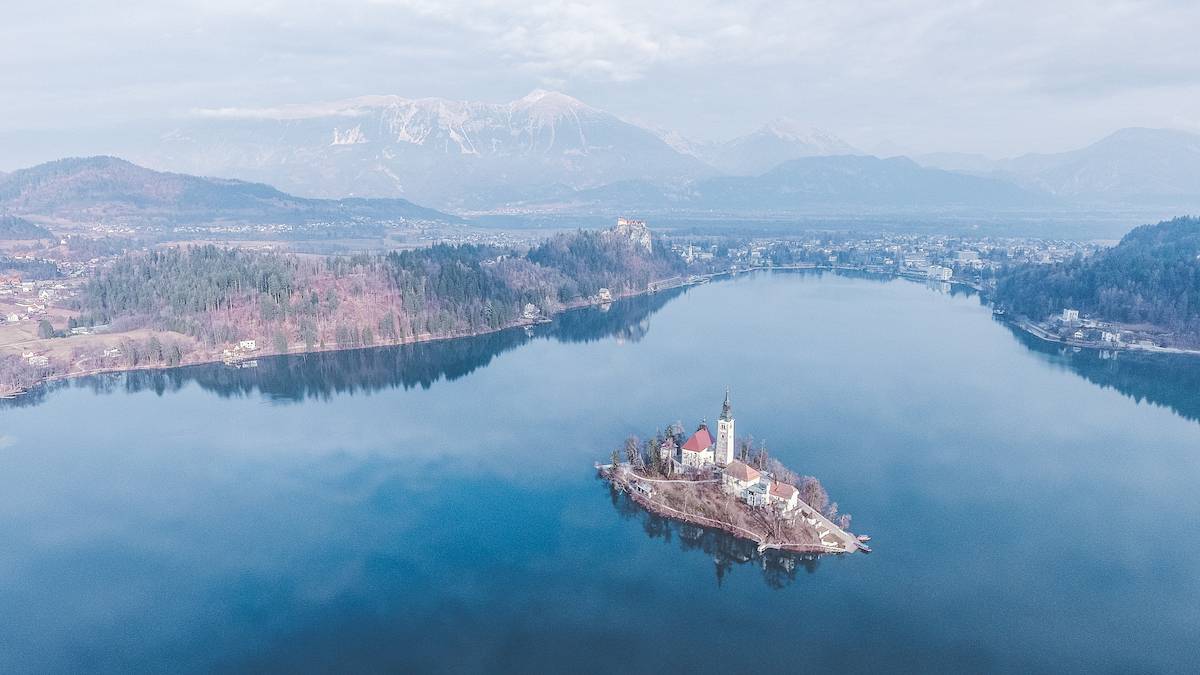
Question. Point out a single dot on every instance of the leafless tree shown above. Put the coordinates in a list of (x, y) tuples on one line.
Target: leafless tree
[(812, 492), (632, 453)]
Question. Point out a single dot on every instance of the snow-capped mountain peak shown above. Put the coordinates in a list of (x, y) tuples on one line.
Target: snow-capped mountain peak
[(433, 150), (821, 142)]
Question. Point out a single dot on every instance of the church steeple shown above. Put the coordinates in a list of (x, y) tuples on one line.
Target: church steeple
[(724, 449)]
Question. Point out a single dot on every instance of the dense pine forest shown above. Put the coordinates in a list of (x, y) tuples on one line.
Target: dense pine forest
[(1151, 277), (286, 301), (12, 227)]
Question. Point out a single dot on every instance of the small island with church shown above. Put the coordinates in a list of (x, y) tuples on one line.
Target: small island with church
[(730, 486)]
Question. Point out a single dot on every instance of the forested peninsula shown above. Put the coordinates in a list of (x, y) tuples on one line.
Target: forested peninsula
[(200, 303), (1150, 280)]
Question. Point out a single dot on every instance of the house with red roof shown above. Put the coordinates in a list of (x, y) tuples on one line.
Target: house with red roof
[(697, 451), (785, 495), (739, 476)]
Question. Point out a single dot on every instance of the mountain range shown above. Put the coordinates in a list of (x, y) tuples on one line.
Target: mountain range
[(112, 190), (1130, 166), (810, 185), (452, 154), (463, 155), (550, 153)]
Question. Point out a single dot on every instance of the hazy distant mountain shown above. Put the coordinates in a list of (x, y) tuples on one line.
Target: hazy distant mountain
[(114, 190), (451, 153), (838, 183), (966, 162), (780, 141), (548, 148), (1130, 166)]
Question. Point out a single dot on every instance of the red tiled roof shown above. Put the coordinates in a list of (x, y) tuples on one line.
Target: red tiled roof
[(700, 441), (782, 490), (741, 471)]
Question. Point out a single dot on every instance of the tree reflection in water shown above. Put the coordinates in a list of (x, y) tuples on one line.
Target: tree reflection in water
[(325, 374), (778, 568), (1169, 380)]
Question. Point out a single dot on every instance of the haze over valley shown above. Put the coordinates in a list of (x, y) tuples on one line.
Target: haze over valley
[(520, 337)]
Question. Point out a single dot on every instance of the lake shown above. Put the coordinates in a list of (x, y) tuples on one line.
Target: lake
[(434, 507)]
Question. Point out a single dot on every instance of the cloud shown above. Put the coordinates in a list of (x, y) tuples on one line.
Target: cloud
[(1005, 74), (298, 111), (7, 441)]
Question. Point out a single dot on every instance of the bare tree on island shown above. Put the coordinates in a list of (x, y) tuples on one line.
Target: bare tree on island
[(632, 452), (813, 493), (745, 445)]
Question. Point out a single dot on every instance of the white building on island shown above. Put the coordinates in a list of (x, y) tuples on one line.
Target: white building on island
[(697, 451), (786, 496), (739, 476)]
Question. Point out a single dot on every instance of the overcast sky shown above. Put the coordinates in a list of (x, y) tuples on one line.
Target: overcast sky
[(1001, 78)]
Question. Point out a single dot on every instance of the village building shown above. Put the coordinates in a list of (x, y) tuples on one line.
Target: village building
[(786, 496), (739, 476), (697, 451), (758, 494)]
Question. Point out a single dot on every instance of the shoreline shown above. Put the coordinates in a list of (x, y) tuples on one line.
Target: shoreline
[(218, 358), (760, 540), (1021, 324), (1029, 328)]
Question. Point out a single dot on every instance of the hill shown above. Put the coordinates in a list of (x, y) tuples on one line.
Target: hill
[(114, 190), (1159, 166), (1152, 276), (222, 295), (1134, 166), (775, 143), (12, 227), (819, 184)]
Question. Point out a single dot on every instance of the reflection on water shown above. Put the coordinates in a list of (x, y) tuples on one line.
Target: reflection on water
[(325, 374), (778, 568), (1169, 380), (442, 525)]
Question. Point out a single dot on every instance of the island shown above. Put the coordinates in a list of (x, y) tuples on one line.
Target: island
[(729, 486)]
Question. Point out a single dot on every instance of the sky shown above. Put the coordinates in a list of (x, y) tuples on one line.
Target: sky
[(906, 76)]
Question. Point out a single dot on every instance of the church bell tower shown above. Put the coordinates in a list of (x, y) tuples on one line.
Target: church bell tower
[(724, 450)]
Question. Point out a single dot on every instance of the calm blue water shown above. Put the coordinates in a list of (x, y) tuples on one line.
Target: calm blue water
[(433, 508)]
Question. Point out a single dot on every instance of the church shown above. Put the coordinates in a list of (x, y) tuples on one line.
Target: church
[(700, 450), (756, 487)]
